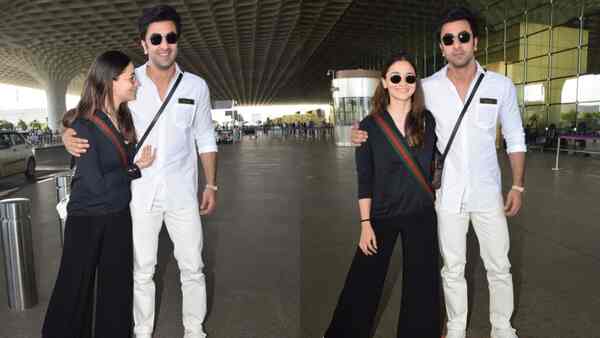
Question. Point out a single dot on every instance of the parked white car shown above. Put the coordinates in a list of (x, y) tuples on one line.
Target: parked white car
[(16, 155)]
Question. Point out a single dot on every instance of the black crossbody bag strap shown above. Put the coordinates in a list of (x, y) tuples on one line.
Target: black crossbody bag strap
[(160, 111), (460, 117)]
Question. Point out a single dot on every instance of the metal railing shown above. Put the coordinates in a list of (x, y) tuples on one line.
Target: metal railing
[(44, 140), (63, 189)]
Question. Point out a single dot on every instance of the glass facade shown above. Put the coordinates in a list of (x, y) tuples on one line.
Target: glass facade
[(546, 48)]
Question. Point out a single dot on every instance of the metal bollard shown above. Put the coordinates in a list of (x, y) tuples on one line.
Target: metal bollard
[(63, 188), (17, 246)]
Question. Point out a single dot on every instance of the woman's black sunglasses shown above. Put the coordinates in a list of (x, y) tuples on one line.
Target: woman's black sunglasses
[(396, 78), (463, 37), (156, 39)]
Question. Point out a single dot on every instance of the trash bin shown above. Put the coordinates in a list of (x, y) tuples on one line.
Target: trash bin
[(17, 247), (63, 188)]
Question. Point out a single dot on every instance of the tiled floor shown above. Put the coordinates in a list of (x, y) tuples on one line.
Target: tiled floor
[(555, 249), (280, 244)]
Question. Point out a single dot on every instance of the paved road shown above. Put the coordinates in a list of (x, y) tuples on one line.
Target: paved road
[(50, 161)]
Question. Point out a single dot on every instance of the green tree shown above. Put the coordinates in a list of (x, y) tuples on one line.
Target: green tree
[(35, 125), (568, 117), (22, 125), (6, 125)]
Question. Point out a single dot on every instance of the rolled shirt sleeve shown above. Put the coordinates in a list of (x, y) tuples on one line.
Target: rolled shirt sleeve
[(204, 131), (512, 124)]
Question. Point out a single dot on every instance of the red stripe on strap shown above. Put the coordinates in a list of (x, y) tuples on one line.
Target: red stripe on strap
[(402, 151), (109, 133)]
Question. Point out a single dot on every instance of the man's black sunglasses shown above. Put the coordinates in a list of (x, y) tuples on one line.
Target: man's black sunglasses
[(396, 78), (156, 39), (463, 37)]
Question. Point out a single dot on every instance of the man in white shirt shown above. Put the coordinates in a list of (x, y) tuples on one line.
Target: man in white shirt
[(169, 190), (471, 188)]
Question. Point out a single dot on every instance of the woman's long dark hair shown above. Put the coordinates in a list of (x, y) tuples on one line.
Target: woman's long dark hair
[(415, 130), (98, 90)]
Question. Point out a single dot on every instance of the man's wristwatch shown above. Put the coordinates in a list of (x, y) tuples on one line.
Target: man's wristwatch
[(517, 188), (212, 187)]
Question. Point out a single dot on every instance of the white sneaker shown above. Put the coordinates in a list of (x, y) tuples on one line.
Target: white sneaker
[(503, 333), (456, 334)]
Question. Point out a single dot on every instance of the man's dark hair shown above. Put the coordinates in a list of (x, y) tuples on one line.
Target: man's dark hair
[(156, 14), (456, 14)]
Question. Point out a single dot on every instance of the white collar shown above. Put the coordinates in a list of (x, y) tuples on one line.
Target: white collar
[(444, 71), (143, 70)]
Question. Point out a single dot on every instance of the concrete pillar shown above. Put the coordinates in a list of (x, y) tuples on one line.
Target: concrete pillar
[(351, 89), (53, 71), (56, 91)]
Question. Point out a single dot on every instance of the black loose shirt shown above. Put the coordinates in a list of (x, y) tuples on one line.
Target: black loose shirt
[(383, 177), (100, 184)]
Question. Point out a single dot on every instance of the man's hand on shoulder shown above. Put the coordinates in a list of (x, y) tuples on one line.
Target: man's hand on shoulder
[(74, 145)]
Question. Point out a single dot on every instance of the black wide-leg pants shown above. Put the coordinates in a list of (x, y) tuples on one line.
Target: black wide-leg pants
[(420, 315), (93, 242)]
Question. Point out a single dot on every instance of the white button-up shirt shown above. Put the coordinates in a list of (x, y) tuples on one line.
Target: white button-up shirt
[(471, 179), (185, 123)]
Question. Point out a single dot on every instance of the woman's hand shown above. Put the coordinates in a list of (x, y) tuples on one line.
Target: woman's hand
[(357, 136), (368, 242), (147, 157)]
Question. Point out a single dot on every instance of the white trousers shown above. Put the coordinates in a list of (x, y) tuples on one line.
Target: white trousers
[(491, 229), (185, 230)]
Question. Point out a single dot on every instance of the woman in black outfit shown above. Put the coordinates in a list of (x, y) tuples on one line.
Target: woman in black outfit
[(98, 226), (393, 202)]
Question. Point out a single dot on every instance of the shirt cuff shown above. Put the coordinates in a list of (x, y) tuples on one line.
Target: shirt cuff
[(207, 149), (519, 148), (365, 191)]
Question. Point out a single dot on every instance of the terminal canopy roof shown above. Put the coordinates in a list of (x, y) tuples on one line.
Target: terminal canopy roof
[(251, 51)]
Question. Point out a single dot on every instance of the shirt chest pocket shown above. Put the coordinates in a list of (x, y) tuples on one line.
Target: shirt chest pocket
[(184, 115), (487, 113)]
